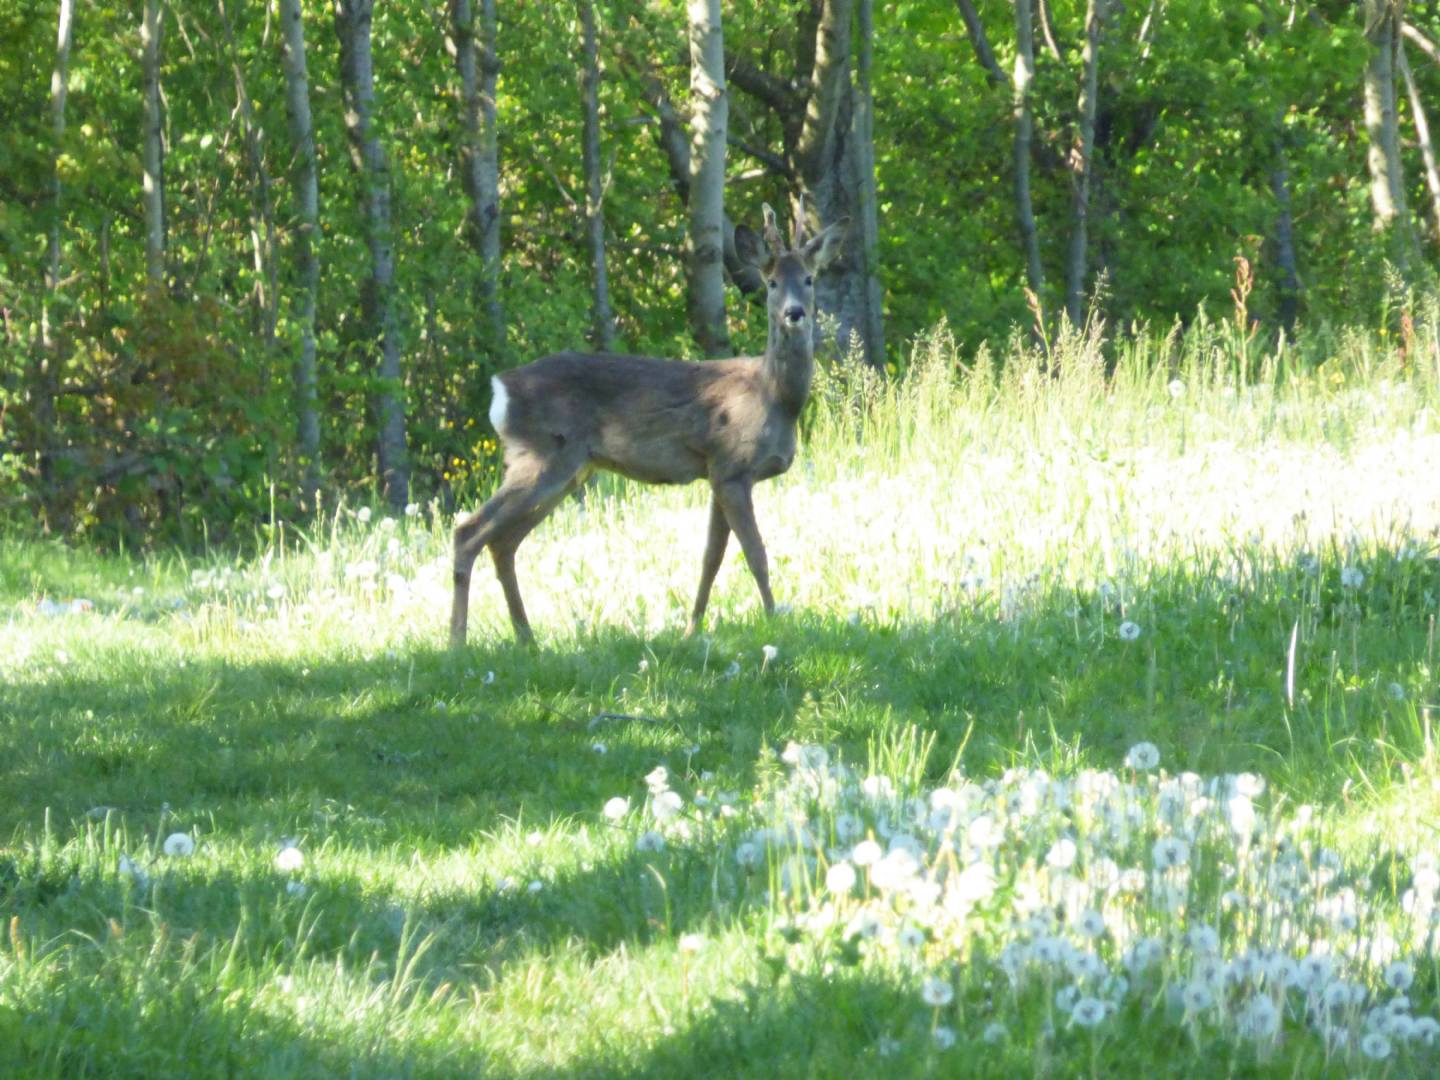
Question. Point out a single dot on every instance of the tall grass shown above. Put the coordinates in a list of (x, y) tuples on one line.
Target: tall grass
[(1002, 573)]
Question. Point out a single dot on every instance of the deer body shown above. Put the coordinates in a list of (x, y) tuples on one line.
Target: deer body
[(729, 422)]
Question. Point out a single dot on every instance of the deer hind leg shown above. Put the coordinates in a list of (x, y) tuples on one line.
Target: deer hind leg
[(734, 499), (714, 554), (530, 491)]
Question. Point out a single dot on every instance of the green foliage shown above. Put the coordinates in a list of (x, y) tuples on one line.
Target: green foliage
[(1198, 99)]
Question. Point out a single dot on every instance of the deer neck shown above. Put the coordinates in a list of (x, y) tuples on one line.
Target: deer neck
[(788, 365)]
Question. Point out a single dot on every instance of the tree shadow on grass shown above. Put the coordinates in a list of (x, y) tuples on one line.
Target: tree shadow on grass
[(425, 749)]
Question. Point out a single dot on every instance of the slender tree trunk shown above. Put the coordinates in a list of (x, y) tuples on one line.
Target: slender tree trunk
[(1284, 239), (602, 321), (153, 145), (357, 77), (1422, 136), (1024, 133), (307, 237), (1082, 165), (1382, 124), (709, 120), (49, 361), (670, 135), (867, 228), (269, 298), (479, 70)]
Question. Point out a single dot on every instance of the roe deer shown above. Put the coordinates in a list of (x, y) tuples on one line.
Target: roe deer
[(731, 422)]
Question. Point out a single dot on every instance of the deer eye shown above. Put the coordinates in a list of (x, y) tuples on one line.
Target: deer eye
[(773, 283), (809, 281)]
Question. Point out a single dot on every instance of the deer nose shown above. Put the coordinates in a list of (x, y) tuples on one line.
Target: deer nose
[(794, 313)]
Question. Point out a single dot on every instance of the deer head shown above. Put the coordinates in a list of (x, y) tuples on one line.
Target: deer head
[(789, 270)]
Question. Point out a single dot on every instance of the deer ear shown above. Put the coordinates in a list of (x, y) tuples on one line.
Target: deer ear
[(820, 251), (750, 247)]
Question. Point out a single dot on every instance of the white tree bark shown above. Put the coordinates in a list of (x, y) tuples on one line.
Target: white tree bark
[(1382, 124), (1024, 134), (153, 154), (357, 76), (709, 120), (867, 228), (46, 381), (1082, 165), (307, 237)]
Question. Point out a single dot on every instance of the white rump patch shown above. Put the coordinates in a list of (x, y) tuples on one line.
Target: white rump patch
[(499, 406)]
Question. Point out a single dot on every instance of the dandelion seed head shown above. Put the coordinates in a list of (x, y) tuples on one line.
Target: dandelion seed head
[(1088, 1012), (937, 992), (1143, 757), (944, 1037), (1128, 630), (616, 808), (289, 859), (179, 845)]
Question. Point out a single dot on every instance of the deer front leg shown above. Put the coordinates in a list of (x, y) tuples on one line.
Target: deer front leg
[(734, 499), (715, 543)]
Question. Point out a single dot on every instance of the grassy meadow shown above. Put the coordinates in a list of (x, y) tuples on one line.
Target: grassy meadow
[(1095, 738)]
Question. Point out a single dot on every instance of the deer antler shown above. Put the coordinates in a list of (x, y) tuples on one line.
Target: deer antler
[(772, 232), (801, 222)]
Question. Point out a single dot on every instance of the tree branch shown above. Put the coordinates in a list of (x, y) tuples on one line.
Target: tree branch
[(762, 86), (832, 63), (975, 30)]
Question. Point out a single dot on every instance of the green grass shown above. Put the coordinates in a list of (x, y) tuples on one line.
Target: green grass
[(959, 551)]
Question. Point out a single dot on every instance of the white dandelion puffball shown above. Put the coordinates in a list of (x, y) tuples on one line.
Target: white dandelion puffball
[(1399, 976), (1170, 851), (840, 878), (1352, 577), (1375, 1046), (1143, 757), (295, 888), (936, 992), (658, 779), (290, 859), (617, 807), (1129, 631), (1087, 1012), (770, 652), (867, 853), (650, 841), (1061, 855), (1177, 389), (944, 1037), (363, 515), (690, 943), (995, 1032), (179, 844)]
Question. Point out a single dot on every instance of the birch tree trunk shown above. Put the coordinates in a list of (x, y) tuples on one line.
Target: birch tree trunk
[(1382, 124), (153, 155), (709, 119), (1422, 136), (1082, 166), (46, 381), (307, 237), (1024, 134), (602, 321), (357, 77), (867, 228), (479, 70)]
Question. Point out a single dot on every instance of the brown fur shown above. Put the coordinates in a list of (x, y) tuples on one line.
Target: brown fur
[(730, 422)]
